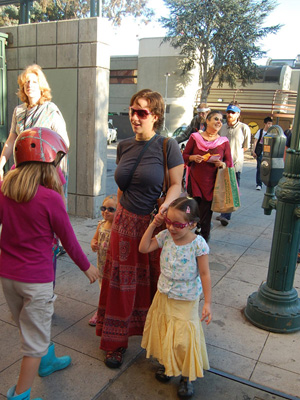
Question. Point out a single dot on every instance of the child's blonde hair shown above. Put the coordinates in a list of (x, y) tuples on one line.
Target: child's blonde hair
[(111, 197), (21, 184)]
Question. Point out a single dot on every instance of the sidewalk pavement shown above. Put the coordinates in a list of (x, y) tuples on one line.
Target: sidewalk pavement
[(246, 362)]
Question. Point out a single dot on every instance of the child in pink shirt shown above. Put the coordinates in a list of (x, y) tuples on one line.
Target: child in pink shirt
[(31, 212)]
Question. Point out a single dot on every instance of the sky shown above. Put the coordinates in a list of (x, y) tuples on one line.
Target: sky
[(285, 44)]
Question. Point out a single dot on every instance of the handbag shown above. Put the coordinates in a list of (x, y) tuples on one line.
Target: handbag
[(166, 183), (226, 197), (165, 187)]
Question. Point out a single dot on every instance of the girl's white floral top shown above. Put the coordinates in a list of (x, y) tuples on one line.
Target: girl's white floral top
[(179, 277)]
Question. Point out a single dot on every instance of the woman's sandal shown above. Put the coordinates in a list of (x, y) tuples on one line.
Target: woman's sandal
[(161, 376), (185, 389), (114, 359)]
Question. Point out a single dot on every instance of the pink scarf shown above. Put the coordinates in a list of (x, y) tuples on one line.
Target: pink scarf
[(205, 145)]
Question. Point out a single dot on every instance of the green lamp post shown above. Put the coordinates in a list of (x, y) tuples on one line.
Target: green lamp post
[(275, 306)]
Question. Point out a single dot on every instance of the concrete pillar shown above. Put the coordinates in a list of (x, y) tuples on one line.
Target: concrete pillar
[(75, 57)]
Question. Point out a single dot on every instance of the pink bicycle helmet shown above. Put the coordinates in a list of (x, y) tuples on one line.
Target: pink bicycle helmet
[(39, 144)]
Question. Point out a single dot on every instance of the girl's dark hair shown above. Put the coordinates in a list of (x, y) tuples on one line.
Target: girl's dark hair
[(189, 206), (155, 104)]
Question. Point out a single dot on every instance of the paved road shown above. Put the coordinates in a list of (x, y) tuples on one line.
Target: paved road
[(111, 186)]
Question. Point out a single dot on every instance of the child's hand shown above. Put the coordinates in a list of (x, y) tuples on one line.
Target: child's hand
[(158, 219), (206, 313), (94, 245), (92, 273)]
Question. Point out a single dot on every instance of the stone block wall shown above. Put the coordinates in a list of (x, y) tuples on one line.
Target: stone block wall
[(75, 58)]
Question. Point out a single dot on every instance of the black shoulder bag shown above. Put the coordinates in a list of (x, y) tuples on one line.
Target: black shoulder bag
[(259, 147)]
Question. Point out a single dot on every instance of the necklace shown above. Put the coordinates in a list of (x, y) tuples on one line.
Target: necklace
[(210, 136), (32, 119)]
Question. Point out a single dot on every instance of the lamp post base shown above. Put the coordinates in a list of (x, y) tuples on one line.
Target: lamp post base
[(274, 311)]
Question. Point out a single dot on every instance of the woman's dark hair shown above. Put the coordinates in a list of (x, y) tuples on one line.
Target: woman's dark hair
[(155, 104), (210, 115), (189, 206)]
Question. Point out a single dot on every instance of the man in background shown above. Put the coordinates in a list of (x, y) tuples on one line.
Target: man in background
[(196, 124), (257, 151)]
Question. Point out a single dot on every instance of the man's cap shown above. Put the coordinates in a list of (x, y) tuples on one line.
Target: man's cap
[(203, 108), (233, 108)]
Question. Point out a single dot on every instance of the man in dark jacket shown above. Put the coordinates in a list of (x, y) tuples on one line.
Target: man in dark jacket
[(196, 124), (258, 148)]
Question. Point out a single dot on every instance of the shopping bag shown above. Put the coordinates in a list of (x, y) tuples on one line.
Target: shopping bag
[(226, 196)]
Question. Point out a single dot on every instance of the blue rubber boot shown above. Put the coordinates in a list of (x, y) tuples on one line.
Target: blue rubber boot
[(50, 363), (23, 396)]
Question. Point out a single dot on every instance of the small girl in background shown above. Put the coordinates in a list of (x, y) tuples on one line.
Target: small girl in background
[(100, 241), (173, 333)]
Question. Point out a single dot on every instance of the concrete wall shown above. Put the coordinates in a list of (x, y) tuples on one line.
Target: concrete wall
[(295, 80), (75, 58), (155, 60)]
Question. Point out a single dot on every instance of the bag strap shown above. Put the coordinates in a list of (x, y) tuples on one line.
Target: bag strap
[(258, 140), (145, 147), (166, 183)]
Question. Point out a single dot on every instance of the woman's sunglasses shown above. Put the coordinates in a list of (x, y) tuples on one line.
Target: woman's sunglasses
[(109, 209), (140, 112), (177, 225)]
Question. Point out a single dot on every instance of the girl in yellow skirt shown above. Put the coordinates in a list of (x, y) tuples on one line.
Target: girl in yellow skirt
[(173, 333)]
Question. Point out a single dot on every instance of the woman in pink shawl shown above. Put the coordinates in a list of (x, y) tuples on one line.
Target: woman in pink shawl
[(204, 153)]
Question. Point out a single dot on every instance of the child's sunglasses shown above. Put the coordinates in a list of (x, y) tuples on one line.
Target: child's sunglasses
[(109, 209), (141, 112), (177, 225)]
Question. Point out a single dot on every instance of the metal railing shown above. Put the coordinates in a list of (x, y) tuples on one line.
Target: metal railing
[(271, 101)]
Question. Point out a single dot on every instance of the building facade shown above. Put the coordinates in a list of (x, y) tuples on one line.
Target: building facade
[(158, 66)]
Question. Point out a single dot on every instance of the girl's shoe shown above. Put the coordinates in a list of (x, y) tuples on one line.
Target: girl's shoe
[(185, 389), (93, 320), (50, 363), (114, 359), (23, 396), (161, 376)]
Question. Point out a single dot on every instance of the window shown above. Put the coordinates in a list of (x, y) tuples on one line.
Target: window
[(269, 74), (123, 76)]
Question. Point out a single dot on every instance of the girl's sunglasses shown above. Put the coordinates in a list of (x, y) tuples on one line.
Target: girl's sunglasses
[(142, 113), (177, 225), (109, 209)]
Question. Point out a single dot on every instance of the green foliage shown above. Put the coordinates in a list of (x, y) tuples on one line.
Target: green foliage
[(55, 10), (116, 10), (220, 37), (9, 15)]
